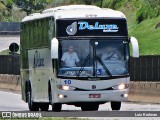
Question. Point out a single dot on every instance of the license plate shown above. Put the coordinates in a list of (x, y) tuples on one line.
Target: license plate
[(94, 95)]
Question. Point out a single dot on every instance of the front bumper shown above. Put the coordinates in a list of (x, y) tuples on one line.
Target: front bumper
[(83, 96)]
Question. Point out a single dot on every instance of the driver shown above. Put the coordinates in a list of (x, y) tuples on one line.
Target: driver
[(70, 58), (109, 54)]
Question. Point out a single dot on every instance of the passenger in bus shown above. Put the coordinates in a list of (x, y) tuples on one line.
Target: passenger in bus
[(70, 58), (109, 54)]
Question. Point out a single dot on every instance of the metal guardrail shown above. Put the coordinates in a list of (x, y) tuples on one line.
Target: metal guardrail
[(10, 64), (9, 28), (145, 68)]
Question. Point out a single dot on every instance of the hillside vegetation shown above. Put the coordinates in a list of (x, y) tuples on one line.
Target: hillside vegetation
[(142, 21), (142, 16)]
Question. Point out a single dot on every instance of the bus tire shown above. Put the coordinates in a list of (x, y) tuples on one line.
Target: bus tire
[(56, 107), (90, 107), (31, 105), (116, 105), (49, 93), (44, 106)]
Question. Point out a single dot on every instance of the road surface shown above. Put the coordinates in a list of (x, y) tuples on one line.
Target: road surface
[(5, 41), (12, 102)]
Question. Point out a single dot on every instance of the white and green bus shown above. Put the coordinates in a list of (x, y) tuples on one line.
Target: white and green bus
[(46, 36)]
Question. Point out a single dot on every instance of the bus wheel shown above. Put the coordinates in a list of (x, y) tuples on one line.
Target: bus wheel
[(31, 105), (44, 106), (115, 105), (89, 107), (56, 107), (50, 96)]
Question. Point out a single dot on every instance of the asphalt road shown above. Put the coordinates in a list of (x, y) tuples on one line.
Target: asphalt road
[(12, 102), (5, 41)]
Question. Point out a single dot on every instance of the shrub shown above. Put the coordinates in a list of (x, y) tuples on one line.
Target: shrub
[(114, 4), (146, 9), (142, 14)]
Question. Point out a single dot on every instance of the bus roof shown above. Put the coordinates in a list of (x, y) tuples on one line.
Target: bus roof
[(76, 11)]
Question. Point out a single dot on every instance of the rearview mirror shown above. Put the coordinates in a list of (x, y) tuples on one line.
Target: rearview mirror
[(54, 48), (135, 47)]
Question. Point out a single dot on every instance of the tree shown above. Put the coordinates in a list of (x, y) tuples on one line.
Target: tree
[(5, 9), (30, 6), (8, 4)]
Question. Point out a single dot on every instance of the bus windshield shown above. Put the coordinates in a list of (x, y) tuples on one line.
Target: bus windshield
[(102, 57)]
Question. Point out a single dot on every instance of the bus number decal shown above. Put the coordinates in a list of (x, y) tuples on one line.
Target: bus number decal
[(68, 82)]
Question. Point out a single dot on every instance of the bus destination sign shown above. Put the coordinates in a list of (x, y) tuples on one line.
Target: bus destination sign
[(91, 27)]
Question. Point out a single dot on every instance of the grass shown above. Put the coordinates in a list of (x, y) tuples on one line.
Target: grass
[(7, 52), (4, 52), (148, 37)]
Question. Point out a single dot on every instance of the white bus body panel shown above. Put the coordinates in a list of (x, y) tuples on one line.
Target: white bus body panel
[(40, 70), (86, 86), (71, 11)]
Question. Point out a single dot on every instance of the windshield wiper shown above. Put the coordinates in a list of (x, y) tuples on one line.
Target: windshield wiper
[(85, 62), (104, 66)]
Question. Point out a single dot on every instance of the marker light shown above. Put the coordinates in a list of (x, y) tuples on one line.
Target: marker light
[(124, 95), (91, 15)]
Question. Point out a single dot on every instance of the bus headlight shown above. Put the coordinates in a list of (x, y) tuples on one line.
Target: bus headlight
[(65, 87), (121, 87)]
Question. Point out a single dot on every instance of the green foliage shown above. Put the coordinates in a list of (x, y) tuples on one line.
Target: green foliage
[(142, 14), (114, 4), (5, 9), (147, 9), (8, 4), (87, 2), (10, 13), (145, 32), (30, 6), (144, 8), (148, 36), (109, 4), (7, 52)]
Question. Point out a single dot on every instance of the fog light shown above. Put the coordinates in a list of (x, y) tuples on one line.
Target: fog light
[(124, 95), (61, 96)]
